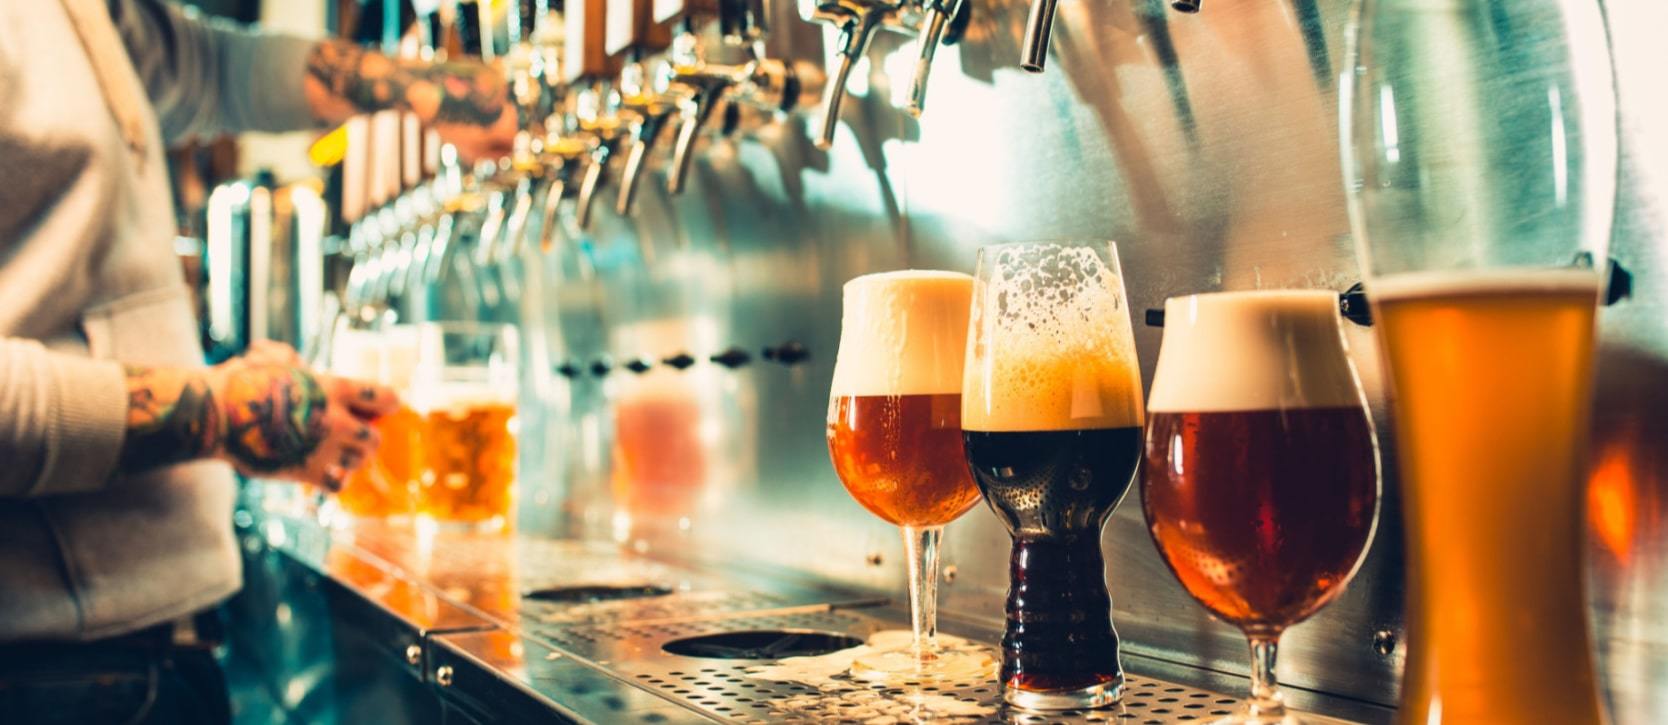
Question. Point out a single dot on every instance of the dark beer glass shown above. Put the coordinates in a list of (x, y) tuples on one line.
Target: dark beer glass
[(1261, 476), (1051, 414)]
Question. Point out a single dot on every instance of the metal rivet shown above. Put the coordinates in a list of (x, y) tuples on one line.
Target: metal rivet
[(874, 558), (414, 654), (1384, 642), (950, 573), (443, 675)]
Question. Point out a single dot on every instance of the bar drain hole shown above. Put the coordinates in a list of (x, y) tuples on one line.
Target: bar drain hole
[(593, 593), (761, 644)]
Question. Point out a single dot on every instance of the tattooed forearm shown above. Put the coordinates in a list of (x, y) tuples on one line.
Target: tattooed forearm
[(457, 93), (274, 417), (172, 417)]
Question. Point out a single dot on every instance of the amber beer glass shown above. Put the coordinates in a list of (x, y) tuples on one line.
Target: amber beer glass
[(1261, 476), (1480, 171), (464, 389), (1051, 405), (894, 434), (385, 487)]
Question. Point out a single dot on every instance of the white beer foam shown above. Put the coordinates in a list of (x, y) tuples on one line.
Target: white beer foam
[(1059, 354), (460, 396), (1246, 351), (1490, 281), (903, 333), (356, 354)]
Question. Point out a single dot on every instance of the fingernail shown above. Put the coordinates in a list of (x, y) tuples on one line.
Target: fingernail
[(367, 394), (363, 434)]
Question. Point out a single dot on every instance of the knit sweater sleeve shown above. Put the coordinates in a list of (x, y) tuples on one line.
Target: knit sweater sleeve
[(62, 418)]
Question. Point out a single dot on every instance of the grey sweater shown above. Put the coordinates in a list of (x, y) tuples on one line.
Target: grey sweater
[(88, 280)]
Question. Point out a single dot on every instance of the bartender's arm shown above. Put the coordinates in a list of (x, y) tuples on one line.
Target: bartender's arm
[(266, 413)]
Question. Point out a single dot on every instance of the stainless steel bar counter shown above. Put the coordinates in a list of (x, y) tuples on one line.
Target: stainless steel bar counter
[(514, 628)]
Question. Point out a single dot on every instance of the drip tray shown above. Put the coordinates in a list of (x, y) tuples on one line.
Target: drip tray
[(760, 644), (592, 594)]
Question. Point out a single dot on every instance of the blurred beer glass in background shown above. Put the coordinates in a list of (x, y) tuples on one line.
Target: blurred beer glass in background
[(1051, 405), (894, 434), (1261, 477), (1479, 150), (385, 487), (464, 388)]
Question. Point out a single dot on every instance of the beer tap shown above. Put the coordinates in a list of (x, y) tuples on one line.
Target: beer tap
[(857, 21), (649, 110), (599, 122), (758, 81), (936, 18)]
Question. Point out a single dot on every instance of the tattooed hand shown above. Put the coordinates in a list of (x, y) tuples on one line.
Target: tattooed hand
[(466, 102), (266, 413)]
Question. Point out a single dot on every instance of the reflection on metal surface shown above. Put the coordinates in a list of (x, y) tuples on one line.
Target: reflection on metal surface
[(1205, 144)]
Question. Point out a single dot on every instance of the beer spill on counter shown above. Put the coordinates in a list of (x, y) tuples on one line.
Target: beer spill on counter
[(1492, 375), (1052, 412), (894, 429), (1261, 478)]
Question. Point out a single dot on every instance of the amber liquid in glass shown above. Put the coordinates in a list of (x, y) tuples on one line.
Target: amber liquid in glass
[(468, 457), (386, 485), (900, 456), (1492, 385)]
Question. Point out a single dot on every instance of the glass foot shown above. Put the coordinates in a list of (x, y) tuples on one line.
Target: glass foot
[(894, 660), (1092, 696)]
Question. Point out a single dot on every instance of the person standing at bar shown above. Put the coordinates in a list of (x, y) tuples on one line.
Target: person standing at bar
[(115, 493)]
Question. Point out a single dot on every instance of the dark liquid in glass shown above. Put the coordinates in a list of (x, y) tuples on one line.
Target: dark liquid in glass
[(1054, 491), (1261, 514)]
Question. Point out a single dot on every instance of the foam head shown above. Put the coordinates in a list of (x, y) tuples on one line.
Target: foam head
[(1252, 351), (1051, 345), (903, 333)]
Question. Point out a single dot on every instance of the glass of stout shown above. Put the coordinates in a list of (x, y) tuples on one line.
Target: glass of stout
[(1051, 409), (1261, 479), (894, 434)]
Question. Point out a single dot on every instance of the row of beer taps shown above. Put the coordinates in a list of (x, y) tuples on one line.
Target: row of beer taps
[(592, 80)]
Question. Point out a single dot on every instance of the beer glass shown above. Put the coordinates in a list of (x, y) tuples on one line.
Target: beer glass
[(386, 486), (1051, 406), (464, 388), (1261, 476), (894, 434), (1479, 150)]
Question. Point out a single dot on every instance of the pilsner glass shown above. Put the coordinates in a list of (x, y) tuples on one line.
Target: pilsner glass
[(1479, 152), (894, 434), (1051, 405), (464, 388), (1261, 475), (385, 487)]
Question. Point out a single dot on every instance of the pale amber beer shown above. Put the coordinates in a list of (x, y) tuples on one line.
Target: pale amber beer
[(464, 385), (384, 487), (468, 469), (1492, 374)]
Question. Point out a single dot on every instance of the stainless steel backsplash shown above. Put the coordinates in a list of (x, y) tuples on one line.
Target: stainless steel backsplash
[(1205, 145)]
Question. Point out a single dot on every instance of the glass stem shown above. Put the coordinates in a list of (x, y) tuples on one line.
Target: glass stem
[(921, 548), (1266, 704)]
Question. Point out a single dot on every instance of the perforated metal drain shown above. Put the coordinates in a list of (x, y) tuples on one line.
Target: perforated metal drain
[(734, 691), (727, 692), (760, 644)]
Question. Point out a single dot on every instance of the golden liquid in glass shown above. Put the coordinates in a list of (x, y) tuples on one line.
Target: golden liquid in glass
[(386, 485), (1492, 378), (468, 470)]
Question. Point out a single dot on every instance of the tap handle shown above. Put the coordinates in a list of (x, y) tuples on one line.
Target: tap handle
[(696, 111), (741, 22), (1033, 52), (594, 173), (855, 35), (939, 14), (471, 34), (552, 205), (647, 130)]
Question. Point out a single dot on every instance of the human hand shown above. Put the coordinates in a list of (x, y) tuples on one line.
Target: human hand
[(280, 419)]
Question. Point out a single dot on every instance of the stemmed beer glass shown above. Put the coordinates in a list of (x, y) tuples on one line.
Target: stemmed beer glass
[(894, 434), (1051, 404), (1261, 477)]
